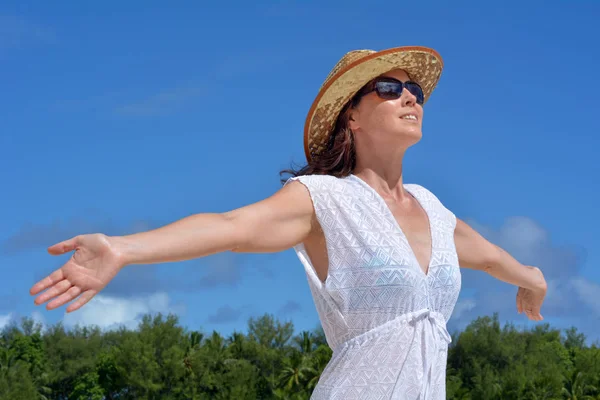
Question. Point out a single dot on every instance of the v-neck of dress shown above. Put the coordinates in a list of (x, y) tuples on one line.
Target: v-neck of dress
[(393, 219)]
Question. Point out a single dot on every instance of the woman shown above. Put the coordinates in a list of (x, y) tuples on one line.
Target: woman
[(382, 257)]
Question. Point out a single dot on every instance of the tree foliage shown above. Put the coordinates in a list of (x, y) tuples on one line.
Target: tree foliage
[(163, 360)]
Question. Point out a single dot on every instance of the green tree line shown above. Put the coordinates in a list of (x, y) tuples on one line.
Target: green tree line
[(163, 360)]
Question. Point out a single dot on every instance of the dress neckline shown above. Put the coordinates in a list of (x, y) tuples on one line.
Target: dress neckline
[(390, 216)]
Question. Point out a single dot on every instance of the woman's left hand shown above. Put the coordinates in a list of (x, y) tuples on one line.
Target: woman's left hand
[(530, 301)]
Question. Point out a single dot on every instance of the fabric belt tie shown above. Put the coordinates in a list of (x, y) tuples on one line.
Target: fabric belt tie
[(437, 334)]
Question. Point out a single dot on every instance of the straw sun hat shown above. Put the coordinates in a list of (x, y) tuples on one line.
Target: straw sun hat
[(351, 73)]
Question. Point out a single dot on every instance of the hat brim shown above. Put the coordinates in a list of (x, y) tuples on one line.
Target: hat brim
[(422, 64)]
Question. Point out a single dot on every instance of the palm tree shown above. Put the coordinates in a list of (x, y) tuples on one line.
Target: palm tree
[(576, 387), (319, 359), (236, 347), (305, 342), (296, 369), (192, 346)]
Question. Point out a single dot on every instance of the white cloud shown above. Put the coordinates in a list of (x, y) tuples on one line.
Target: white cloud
[(5, 320), (570, 296), (463, 306), (38, 318), (40, 235), (588, 293), (111, 312), (531, 244)]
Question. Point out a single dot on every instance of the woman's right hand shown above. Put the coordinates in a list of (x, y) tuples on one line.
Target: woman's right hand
[(92, 266)]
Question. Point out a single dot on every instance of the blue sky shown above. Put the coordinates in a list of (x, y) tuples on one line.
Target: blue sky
[(120, 117)]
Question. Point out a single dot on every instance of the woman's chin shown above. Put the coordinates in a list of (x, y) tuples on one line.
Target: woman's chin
[(413, 136)]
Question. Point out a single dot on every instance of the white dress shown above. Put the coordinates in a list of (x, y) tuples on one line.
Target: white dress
[(383, 317)]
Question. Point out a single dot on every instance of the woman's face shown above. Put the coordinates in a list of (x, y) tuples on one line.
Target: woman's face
[(396, 121)]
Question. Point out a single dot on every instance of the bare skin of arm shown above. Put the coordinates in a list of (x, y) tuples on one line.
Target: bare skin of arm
[(475, 252), (271, 225)]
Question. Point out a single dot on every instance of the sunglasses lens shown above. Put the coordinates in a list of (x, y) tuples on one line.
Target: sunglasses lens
[(416, 91), (390, 90)]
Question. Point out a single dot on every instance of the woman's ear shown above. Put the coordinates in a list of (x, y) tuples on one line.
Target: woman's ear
[(353, 120)]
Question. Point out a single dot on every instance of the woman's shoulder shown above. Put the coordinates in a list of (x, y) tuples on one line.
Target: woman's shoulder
[(319, 181), (429, 197), (422, 190)]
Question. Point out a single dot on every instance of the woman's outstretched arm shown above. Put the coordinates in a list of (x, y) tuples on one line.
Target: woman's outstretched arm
[(273, 224), (475, 252)]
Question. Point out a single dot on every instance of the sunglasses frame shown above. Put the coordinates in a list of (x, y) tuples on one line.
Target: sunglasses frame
[(373, 86)]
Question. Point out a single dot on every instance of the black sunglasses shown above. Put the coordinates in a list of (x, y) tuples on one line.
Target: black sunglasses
[(391, 89)]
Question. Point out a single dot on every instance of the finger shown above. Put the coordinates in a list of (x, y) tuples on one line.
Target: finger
[(48, 281), (521, 304), (534, 316), (54, 291), (530, 315), (64, 246), (519, 307), (536, 311), (81, 301), (69, 295)]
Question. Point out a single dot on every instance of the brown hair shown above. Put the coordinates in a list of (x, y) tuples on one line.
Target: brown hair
[(339, 158)]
